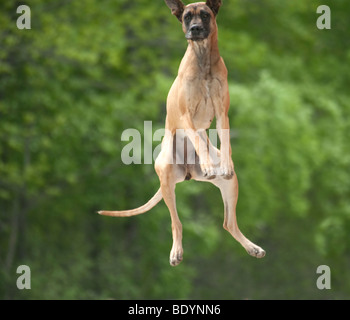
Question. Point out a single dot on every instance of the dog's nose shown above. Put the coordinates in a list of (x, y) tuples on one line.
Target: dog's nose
[(195, 28)]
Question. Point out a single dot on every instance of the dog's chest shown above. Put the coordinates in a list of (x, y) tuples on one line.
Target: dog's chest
[(201, 101)]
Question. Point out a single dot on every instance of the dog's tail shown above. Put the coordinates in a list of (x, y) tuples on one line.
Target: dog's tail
[(129, 213)]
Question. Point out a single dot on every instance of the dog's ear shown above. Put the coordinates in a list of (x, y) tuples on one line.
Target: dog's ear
[(176, 7), (214, 5)]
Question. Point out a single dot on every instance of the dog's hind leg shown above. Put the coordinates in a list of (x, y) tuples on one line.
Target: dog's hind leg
[(168, 190), (229, 192), (169, 174)]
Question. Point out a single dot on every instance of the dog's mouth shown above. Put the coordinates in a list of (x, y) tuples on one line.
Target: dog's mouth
[(195, 37)]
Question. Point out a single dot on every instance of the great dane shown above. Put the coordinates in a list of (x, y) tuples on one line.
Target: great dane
[(198, 94)]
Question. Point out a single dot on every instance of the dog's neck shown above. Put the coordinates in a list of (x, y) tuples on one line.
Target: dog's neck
[(205, 54)]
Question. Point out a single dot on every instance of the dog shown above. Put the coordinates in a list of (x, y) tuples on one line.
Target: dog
[(198, 94)]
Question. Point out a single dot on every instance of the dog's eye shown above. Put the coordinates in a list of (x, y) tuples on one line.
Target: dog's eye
[(188, 17), (205, 16)]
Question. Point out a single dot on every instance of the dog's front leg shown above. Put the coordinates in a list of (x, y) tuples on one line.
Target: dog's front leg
[(226, 164), (202, 146)]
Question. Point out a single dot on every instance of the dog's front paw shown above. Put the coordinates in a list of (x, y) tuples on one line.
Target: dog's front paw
[(208, 170), (227, 169)]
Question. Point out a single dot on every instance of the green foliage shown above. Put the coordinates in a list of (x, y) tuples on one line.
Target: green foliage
[(86, 71)]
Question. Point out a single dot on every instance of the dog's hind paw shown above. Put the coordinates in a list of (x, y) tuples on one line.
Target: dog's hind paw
[(256, 251), (175, 257)]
